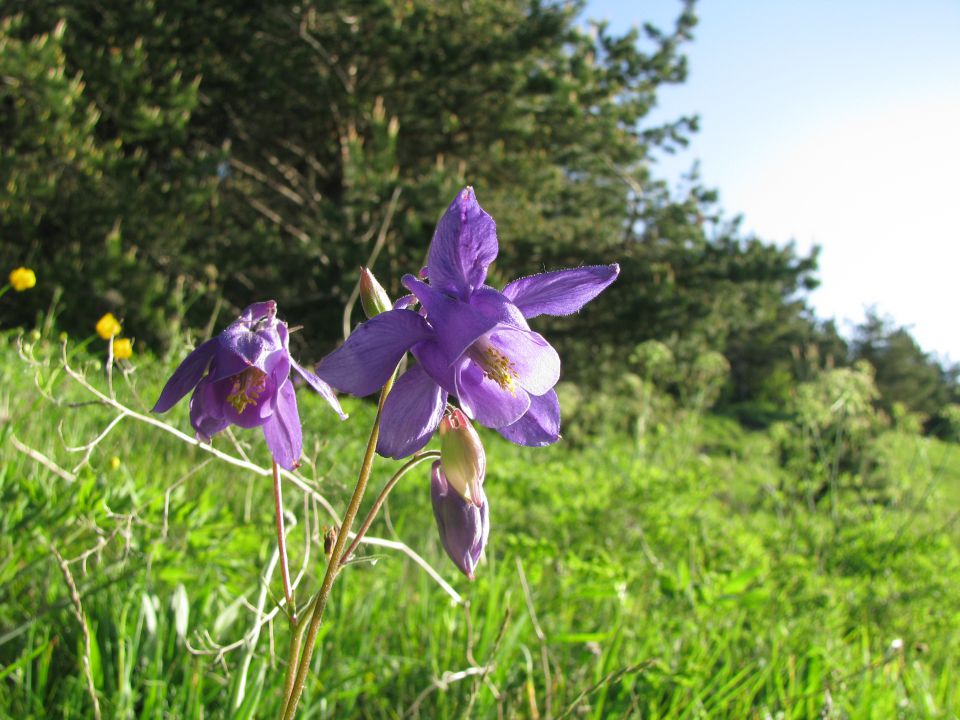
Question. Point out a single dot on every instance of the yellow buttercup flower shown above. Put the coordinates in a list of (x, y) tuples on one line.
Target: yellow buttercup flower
[(114, 462), (22, 279), (122, 348), (108, 326)]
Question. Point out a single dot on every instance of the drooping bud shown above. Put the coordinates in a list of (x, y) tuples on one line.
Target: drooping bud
[(462, 456), (373, 297), (464, 527)]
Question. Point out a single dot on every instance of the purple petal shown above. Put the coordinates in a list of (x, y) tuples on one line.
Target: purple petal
[(324, 390), (259, 311), (186, 376), (411, 414), (282, 430), (540, 426), (226, 363), (485, 401), (434, 361), (464, 528), (561, 292), (253, 348), (206, 410), (457, 324), (365, 361), (494, 304), (463, 246), (405, 302), (534, 360), (256, 335)]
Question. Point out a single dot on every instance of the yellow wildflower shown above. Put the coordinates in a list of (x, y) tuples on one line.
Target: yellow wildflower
[(114, 462), (122, 348), (22, 279), (108, 326)]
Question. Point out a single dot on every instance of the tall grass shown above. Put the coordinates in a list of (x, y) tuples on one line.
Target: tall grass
[(683, 581)]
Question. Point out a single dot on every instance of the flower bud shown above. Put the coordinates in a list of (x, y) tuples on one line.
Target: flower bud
[(464, 526), (373, 297), (462, 456)]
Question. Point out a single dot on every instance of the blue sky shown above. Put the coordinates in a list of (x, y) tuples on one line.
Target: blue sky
[(837, 124)]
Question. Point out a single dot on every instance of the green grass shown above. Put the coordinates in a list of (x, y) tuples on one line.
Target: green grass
[(683, 581)]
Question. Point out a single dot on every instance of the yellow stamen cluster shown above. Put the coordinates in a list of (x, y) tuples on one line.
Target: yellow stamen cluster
[(497, 367), (246, 389)]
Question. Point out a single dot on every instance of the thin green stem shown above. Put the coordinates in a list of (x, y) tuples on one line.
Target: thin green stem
[(296, 642), (282, 545), (375, 508), (333, 564), (296, 634)]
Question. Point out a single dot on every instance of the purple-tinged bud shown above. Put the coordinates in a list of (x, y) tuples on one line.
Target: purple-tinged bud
[(373, 297), (464, 527), (461, 453)]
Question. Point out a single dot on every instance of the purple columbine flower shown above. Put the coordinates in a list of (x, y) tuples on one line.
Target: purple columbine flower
[(463, 524), (471, 341), (242, 377)]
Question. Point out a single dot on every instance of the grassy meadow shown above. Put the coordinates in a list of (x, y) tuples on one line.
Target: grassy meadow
[(674, 575)]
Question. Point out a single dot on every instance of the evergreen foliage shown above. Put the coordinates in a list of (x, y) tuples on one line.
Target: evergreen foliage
[(166, 160)]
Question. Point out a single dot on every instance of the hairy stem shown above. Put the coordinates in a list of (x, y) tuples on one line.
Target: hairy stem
[(333, 565)]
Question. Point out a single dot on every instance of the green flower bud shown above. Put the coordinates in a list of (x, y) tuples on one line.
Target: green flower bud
[(462, 457), (373, 297)]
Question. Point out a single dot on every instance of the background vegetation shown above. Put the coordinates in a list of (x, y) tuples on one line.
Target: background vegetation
[(747, 510)]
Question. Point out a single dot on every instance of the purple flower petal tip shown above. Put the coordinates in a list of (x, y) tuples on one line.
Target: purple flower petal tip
[(265, 310), (322, 388), (561, 292), (464, 244)]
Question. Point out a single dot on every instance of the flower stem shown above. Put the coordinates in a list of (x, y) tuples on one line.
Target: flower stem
[(333, 564), (109, 366), (296, 642), (296, 635), (375, 508), (282, 545)]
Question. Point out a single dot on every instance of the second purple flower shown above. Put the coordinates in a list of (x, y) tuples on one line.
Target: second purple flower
[(242, 377)]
